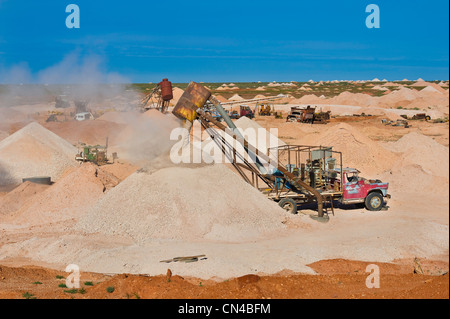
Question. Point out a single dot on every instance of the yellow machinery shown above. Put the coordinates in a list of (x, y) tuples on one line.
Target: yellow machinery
[(278, 115), (265, 109)]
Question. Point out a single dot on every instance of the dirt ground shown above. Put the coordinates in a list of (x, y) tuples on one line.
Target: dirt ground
[(336, 279)]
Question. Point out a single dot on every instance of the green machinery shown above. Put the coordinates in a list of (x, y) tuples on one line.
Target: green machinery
[(96, 154)]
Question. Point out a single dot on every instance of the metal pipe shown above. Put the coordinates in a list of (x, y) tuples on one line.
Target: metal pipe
[(235, 130), (253, 100)]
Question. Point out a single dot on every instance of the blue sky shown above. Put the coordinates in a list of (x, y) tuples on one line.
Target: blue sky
[(221, 41)]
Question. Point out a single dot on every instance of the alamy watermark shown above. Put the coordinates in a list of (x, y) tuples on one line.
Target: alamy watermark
[(73, 280), (73, 19), (373, 280), (217, 146), (373, 19)]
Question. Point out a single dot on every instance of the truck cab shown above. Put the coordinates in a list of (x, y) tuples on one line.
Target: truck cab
[(358, 189), (294, 116), (245, 110)]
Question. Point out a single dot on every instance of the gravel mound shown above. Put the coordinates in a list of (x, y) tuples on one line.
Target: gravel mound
[(70, 197), (358, 150), (34, 151), (207, 202), (422, 150), (15, 199)]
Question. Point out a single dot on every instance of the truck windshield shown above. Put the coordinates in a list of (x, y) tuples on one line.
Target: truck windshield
[(352, 177)]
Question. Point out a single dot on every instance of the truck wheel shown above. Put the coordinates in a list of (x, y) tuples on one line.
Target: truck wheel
[(289, 205), (374, 201)]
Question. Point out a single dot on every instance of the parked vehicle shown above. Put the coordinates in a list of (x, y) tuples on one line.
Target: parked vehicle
[(84, 116), (234, 114), (321, 168), (265, 109), (307, 115), (245, 110)]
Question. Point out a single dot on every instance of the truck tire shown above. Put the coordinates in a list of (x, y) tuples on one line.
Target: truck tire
[(374, 201), (289, 205)]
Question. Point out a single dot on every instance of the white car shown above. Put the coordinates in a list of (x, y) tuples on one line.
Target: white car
[(84, 116)]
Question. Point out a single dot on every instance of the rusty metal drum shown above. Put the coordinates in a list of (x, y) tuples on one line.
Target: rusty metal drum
[(193, 98), (166, 90)]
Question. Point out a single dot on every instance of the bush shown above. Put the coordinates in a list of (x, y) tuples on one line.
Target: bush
[(27, 295), (71, 291)]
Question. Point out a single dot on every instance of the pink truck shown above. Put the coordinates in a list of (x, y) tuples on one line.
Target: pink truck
[(360, 190), (321, 168)]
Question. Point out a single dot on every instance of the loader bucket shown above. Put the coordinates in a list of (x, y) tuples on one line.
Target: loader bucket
[(193, 98)]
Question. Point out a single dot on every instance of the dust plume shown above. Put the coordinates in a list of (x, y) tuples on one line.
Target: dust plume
[(77, 76), (146, 136)]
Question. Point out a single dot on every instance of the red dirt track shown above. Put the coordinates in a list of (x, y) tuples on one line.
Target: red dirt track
[(337, 279)]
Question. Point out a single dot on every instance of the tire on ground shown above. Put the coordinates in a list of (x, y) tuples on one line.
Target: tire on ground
[(289, 205), (374, 201)]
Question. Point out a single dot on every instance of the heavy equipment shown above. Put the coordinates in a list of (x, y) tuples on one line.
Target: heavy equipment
[(55, 116), (307, 115), (159, 98), (278, 115), (317, 179), (97, 154), (245, 110), (418, 116), (234, 114), (398, 122), (303, 115), (322, 169), (264, 109), (322, 117)]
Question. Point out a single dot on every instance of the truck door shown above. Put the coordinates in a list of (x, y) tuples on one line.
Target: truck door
[(353, 187)]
